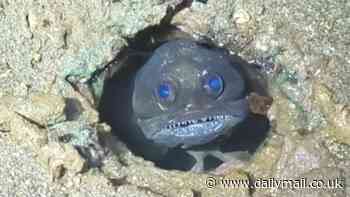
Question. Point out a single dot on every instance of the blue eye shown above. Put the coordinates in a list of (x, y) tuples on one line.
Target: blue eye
[(214, 85), (165, 91)]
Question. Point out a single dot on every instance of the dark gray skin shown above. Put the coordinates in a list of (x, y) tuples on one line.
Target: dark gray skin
[(192, 114)]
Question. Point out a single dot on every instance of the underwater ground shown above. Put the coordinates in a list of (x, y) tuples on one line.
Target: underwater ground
[(51, 140)]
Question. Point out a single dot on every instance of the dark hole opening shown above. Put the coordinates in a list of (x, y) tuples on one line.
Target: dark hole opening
[(115, 105)]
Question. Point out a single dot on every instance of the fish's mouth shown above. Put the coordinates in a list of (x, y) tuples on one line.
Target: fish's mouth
[(189, 128), (208, 120), (194, 131)]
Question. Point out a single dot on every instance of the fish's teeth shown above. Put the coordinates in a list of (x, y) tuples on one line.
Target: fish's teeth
[(212, 119)]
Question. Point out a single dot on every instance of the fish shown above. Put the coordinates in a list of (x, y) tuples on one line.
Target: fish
[(187, 94), (183, 95)]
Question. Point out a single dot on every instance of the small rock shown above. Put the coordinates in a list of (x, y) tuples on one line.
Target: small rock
[(61, 157), (42, 109), (241, 16), (192, 22), (57, 172), (21, 129), (259, 104), (45, 108)]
